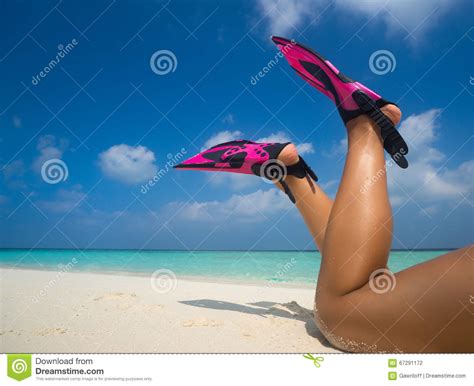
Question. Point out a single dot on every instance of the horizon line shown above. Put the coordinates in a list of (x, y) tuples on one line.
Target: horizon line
[(212, 250)]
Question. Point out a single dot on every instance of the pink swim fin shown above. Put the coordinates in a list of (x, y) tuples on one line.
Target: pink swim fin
[(247, 157), (350, 97)]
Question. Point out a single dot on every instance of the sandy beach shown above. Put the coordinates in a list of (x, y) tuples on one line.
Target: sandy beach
[(43, 311)]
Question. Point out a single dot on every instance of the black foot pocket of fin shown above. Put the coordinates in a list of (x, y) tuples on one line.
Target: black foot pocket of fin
[(395, 145), (393, 142), (300, 170), (400, 160)]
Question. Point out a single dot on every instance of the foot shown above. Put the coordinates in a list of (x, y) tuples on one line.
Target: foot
[(391, 111), (297, 171), (289, 155)]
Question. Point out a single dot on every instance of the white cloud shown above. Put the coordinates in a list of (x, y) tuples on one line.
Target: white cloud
[(413, 18), (341, 147), (406, 16), (281, 137), (49, 148), (14, 169), (234, 181), (128, 164), (66, 200), (252, 207), (305, 148), (221, 137), (17, 123), (13, 174), (285, 16), (420, 129), (228, 119), (337, 150), (220, 35), (427, 178)]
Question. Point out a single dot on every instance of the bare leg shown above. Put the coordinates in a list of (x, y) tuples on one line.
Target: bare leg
[(313, 204), (428, 309), (359, 232)]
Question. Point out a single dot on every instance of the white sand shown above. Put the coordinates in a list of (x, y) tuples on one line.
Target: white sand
[(43, 311)]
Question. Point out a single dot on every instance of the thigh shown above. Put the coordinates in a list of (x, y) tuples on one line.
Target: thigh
[(426, 308)]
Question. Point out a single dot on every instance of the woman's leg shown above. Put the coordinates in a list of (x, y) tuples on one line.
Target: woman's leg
[(426, 307), (313, 204)]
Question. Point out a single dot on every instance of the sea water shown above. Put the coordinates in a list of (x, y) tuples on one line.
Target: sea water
[(298, 267)]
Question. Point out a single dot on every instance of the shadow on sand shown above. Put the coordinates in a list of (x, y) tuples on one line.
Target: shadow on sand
[(291, 310)]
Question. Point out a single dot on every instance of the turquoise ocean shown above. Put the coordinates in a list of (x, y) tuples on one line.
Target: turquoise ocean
[(297, 267)]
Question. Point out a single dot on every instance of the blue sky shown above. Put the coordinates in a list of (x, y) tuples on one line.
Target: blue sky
[(115, 123)]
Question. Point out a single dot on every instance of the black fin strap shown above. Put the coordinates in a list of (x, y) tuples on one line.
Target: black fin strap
[(301, 169), (393, 142), (288, 191), (308, 170), (298, 170)]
